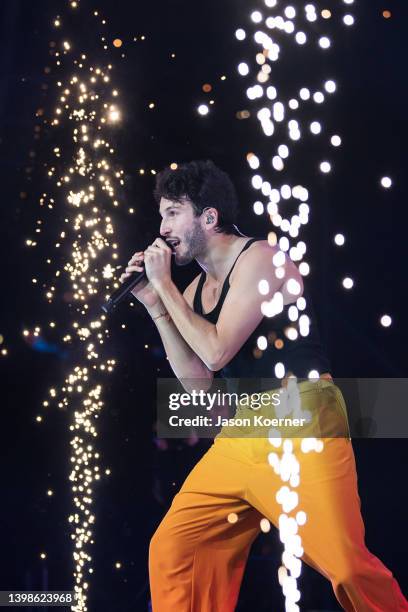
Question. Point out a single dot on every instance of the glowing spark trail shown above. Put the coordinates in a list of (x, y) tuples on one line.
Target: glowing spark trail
[(85, 182), (279, 28)]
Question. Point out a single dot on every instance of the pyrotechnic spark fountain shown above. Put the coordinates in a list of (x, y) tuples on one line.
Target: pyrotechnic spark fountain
[(285, 27), (82, 261)]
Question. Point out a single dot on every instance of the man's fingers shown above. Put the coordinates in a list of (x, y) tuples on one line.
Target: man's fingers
[(154, 248), (162, 244), (136, 257), (129, 270)]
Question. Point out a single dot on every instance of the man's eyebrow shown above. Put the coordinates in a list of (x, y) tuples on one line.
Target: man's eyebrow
[(175, 205)]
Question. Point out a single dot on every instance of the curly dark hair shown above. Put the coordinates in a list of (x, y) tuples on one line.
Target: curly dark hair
[(204, 185)]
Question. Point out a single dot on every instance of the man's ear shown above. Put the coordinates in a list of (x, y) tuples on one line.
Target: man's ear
[(210, 216)]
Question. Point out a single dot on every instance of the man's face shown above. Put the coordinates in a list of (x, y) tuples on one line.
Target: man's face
[(179, 224)]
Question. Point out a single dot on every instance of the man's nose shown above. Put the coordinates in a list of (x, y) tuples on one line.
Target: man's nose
[(164, 230)]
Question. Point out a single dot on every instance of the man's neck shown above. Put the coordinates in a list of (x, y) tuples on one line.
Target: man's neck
[(221, 252)]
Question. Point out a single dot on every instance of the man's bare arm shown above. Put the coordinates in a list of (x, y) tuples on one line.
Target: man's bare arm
[(241, 313), (185, 363)]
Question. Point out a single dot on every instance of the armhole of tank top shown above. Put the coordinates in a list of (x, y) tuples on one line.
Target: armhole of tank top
[(197, 297), (246, 246), (197, 302)]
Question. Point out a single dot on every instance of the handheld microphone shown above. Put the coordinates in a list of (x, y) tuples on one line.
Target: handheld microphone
[(125, 288)]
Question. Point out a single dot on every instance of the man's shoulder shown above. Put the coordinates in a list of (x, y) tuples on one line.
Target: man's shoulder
[(257, 254), (261, 261), (260, 247)]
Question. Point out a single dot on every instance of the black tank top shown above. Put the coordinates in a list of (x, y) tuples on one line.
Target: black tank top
[(299, 356)]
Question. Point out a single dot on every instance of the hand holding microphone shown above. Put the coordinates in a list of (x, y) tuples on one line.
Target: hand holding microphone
[(143, 291), (140, 279)]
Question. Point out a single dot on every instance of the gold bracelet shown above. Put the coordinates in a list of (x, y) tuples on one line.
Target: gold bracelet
[(163, 314)]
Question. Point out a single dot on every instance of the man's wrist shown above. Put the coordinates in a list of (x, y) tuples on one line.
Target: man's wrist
[(157, 309), (159, 313), (162, 315), (162, 285)]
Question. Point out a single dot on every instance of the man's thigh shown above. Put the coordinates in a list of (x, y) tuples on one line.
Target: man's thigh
[(211, 504)]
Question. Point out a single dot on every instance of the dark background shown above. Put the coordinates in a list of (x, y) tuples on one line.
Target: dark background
[(368, 61)]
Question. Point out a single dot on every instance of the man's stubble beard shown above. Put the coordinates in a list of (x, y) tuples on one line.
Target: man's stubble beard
[(195, 244)]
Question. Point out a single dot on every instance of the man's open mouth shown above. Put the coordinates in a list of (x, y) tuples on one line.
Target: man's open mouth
[(173, 243)]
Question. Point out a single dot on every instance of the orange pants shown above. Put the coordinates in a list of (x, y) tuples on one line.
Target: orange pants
[(197, 557)]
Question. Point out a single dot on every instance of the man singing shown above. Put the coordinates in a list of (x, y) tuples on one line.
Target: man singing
[(198, 555)]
